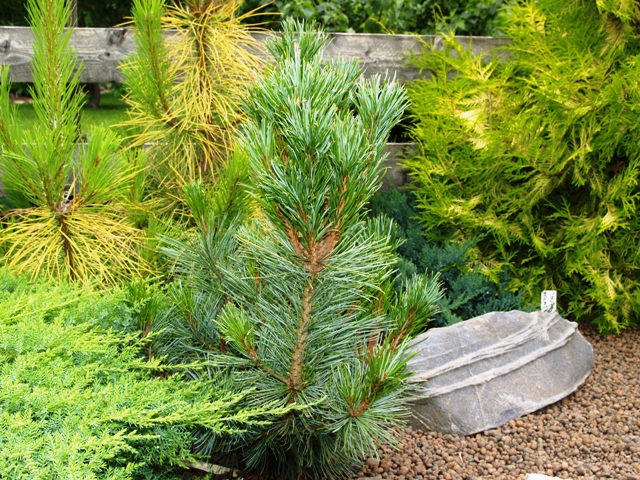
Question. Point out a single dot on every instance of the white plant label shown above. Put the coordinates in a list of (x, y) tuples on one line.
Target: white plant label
[(549, 300)]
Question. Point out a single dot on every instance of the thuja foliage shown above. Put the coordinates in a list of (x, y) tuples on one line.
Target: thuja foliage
[(78, 400), (540, 153), (184, 89), (299, 303), (64, 214), (467, 291)]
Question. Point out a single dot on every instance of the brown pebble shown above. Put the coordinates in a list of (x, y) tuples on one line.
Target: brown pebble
[(373, 462)]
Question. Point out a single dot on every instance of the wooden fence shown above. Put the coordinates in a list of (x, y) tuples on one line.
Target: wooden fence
[(100, 50)]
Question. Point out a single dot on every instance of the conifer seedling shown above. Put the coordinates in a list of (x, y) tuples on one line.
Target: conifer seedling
[(185, 82), (299, 304)]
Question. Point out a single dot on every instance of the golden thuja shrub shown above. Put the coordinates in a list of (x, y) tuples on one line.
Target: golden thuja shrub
[(191, 70), (537, 153)]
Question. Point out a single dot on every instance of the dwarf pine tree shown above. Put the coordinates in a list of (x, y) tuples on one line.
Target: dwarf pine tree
[(299, 304)]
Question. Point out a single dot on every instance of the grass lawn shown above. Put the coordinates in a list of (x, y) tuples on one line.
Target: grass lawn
[(112, 111)]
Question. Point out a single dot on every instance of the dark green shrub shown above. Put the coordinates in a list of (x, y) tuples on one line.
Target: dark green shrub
[(467, 291), (90, 14), (539, 154), (467, 17), (78, 400), (298, 303)]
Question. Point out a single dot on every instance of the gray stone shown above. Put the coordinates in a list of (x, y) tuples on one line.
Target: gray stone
[(484, 372)]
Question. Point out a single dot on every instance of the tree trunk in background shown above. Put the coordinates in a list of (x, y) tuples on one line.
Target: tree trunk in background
[(94, 94)]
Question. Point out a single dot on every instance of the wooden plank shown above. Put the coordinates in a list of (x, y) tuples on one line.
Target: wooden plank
[(101, 50), (387, 54)]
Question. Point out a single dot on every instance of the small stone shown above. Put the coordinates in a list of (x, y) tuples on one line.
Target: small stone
[(537, 476), (373, 462)]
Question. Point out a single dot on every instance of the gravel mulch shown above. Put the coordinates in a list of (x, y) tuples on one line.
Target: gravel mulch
[(593, 433)]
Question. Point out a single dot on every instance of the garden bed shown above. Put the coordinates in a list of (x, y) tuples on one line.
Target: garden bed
[(593, 433)]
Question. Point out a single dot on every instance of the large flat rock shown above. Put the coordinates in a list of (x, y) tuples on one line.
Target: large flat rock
[(484, 372)]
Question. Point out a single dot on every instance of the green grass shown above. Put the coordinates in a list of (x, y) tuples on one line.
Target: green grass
[(112, 111)]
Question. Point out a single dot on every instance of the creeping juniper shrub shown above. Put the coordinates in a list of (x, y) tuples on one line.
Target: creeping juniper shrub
[(80, 400), (467, 292)]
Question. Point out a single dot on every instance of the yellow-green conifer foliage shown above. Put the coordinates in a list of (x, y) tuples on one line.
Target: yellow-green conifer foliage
[(185, 87), (65, 212), (540, 152), (79, 400)]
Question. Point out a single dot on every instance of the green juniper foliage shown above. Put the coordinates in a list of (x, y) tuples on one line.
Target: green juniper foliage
[(299, 304), (540, 153), (77, 400), (468, 292)]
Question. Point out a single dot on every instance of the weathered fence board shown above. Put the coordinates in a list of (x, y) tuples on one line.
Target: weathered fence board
[(101, 50)]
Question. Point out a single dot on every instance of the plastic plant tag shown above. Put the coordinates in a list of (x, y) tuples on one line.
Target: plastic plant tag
[(549, 300)]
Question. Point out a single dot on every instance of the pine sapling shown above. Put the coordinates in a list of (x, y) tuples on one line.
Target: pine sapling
[(67, 215), (184, 90), (299, 304)]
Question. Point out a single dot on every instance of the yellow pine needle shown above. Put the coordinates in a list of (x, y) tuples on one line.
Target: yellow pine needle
[(100, 242), (211, 64)]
